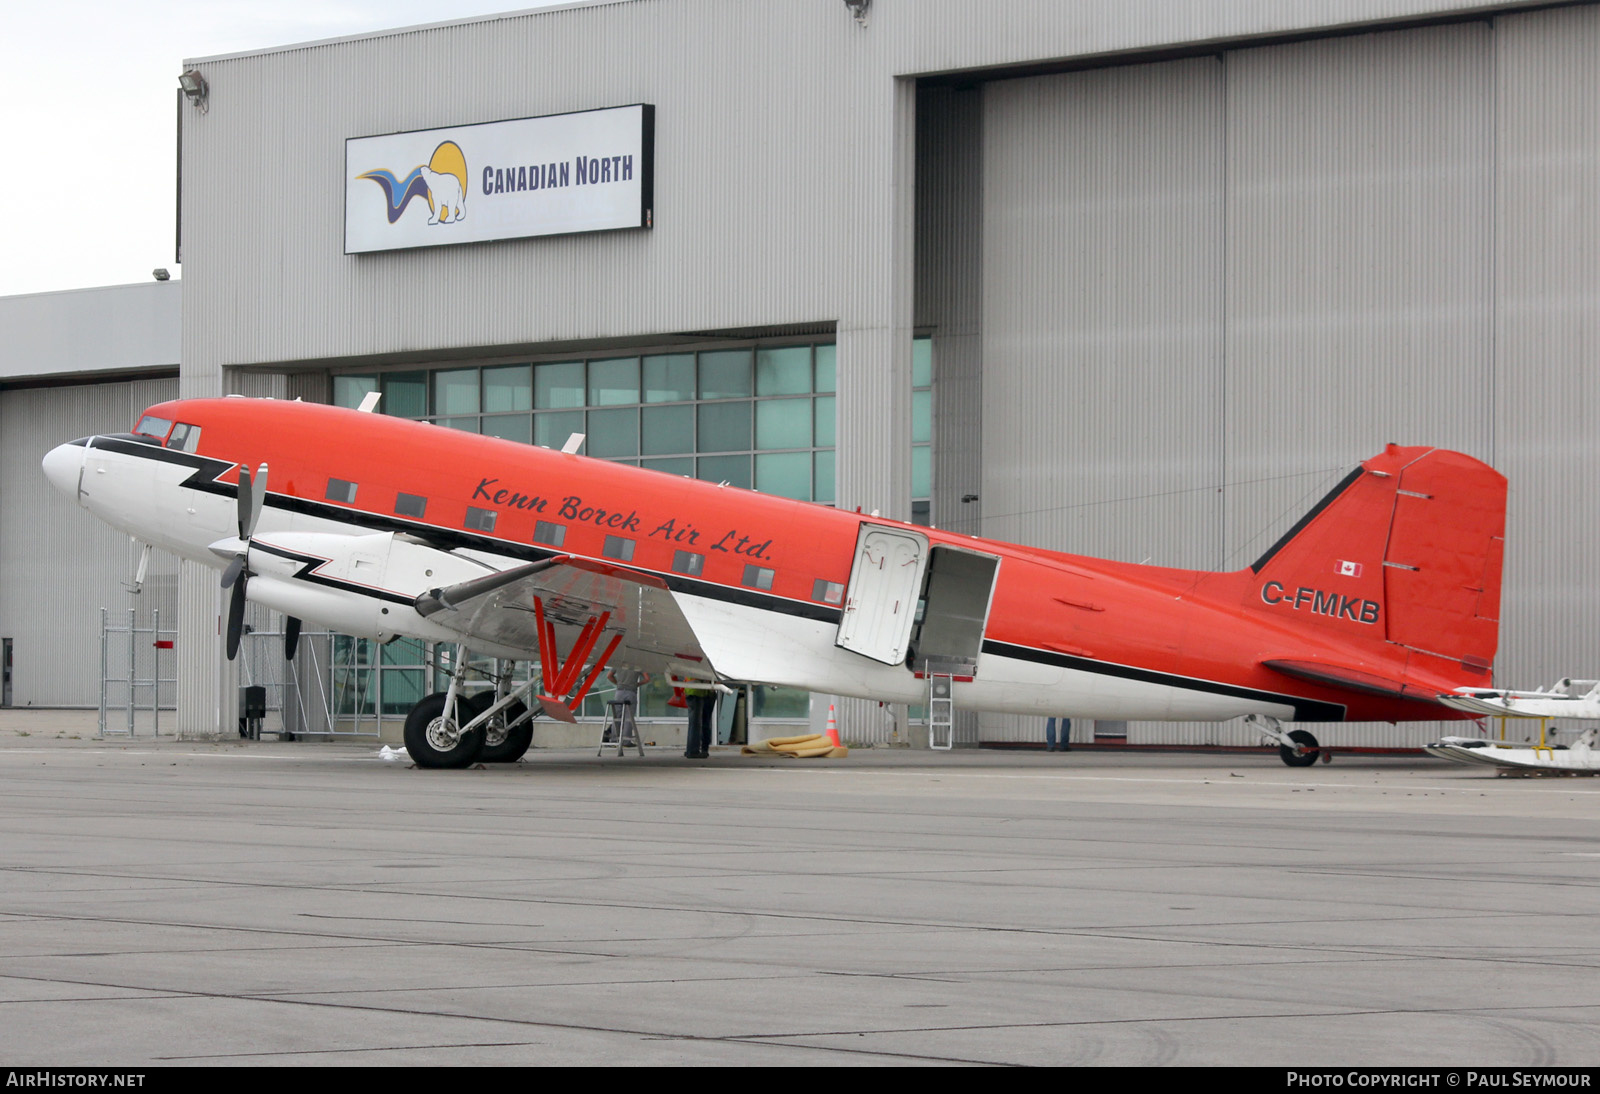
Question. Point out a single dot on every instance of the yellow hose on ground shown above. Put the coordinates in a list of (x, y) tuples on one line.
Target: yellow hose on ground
[(806, 747)]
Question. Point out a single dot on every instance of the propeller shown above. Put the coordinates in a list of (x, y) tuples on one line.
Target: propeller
[(291, 637), (237, 576)]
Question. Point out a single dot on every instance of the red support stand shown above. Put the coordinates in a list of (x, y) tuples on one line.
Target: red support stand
[(558, 677)]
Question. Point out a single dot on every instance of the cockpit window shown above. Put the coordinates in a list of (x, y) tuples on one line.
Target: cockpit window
[(185, 438), (151, 426)]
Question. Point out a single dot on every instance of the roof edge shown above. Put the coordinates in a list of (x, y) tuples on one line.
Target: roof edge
[(390, 32)]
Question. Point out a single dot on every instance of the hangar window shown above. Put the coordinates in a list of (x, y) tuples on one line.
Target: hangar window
[(618, 547), (760, 415), (758, 577), (341, 491), (481, 520), (687, 562), (348, 391), (410, 505), (552, 534), (829, 592)]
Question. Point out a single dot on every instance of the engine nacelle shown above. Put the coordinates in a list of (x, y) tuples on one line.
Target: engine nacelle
[(359, 585)]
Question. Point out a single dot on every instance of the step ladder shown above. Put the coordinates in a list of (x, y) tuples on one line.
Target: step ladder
[(941, 711), (622, 729)]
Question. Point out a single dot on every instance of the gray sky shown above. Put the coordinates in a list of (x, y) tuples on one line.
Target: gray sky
[(93, 124)]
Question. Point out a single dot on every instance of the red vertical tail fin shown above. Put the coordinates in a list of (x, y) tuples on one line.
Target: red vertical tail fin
[(1404, 557)]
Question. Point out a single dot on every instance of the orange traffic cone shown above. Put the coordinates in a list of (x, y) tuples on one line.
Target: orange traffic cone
[(832, 732)]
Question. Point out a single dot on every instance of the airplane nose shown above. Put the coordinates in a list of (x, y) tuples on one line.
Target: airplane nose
[(63, 465)]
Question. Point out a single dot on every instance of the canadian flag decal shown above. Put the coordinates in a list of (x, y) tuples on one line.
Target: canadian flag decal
[(1347, 569)]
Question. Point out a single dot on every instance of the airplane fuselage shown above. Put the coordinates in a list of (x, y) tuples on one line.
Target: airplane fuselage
[(364, 512)]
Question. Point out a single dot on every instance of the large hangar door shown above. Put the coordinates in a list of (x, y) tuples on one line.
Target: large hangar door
[(880, 603)]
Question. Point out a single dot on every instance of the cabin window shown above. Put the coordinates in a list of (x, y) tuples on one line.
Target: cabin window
[(410, 505), (829, 592), (341, 491), (758, 577), (481, 520), (546, 532), (687, 562), (618, 547), (185, 438), (151, 426)]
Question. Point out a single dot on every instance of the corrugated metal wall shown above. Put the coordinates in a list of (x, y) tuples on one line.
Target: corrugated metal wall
[(1257, 268), (58, 565), (1547, 336), (1102, 311), (730, 166)]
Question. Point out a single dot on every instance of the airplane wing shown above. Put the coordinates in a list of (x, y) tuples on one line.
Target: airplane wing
[(569, 594), (1558, 702)]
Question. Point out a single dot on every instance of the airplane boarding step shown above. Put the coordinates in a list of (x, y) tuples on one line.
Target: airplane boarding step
[(941, 711)]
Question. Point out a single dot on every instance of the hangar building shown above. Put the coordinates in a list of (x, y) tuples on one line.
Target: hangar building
[(1121, 277)]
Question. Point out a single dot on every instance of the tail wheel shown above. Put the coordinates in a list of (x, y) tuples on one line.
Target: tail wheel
[(502, 745), (1304, 754), (434, 739)]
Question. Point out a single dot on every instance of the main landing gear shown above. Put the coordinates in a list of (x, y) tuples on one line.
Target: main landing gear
[(1296, 747), (508, 732), (451, 729), (475, 733), (436, 739)]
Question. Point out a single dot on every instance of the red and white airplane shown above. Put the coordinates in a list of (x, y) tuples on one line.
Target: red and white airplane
[(1382, 599)]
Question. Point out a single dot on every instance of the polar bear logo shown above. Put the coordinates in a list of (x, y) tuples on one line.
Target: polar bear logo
[(441, 182), (444, 195)]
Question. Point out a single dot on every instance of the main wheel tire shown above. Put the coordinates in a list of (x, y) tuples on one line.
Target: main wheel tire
[(500, 745), (437, 741), (1306, 755)]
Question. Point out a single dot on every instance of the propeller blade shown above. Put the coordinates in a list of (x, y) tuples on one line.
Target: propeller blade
[(236, 616), (231, 574), (245, 504), (291, 637), (258, 494)]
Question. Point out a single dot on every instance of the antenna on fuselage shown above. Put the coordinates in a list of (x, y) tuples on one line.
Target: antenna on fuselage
[(369, 402), (574, 443)]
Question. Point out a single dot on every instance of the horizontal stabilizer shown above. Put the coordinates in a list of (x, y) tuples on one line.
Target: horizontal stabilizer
[(1341, 676)]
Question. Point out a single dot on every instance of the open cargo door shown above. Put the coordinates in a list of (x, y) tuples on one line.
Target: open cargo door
[(881, 600)]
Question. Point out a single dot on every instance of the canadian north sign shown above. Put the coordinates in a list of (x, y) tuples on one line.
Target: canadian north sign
[(562, 173)]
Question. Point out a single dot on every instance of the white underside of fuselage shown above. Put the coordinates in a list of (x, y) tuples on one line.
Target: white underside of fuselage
[(777, 648), (146, 498)]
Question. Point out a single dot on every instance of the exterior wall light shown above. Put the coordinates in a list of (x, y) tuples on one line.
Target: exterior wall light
[(858, 8), (195, 89)]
